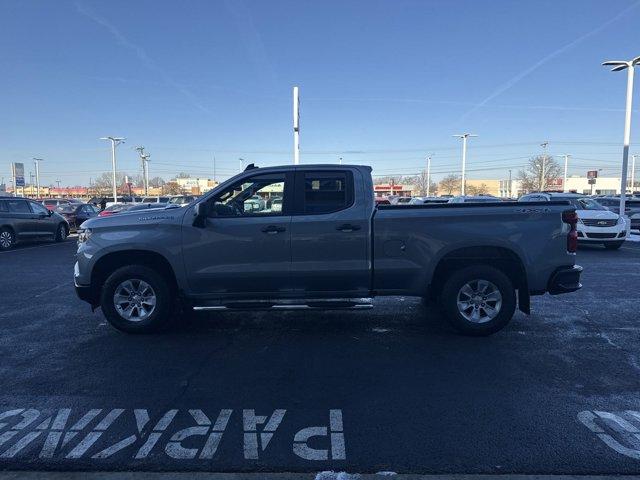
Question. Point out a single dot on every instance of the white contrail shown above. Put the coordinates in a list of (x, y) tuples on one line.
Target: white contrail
[(141, 54), (251, 39), (510, 83)]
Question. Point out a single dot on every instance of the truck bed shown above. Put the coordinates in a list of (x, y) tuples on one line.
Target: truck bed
[(410, 242)]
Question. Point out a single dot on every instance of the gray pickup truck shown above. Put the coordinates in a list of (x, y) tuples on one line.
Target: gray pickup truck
[(311, 237)]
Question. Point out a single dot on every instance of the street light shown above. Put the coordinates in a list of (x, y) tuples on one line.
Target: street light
[(37, 161), (566, 165), (619, 65), (464, 137), (144, 158), (296, 126), (115, 141), (429, 174)]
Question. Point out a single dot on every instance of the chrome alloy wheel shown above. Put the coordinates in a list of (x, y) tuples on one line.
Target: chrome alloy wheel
[(479, 301), (134, 300), (6, 239)]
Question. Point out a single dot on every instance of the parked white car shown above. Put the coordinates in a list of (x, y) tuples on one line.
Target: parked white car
[(596, 224)]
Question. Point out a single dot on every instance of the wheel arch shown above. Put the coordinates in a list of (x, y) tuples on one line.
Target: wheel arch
[(501, 258), (110, 262)]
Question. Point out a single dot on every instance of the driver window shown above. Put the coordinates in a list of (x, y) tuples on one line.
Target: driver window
[(259, 195), (39, 209)]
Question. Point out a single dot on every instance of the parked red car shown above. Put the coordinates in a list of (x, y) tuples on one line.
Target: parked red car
[(113, 209)]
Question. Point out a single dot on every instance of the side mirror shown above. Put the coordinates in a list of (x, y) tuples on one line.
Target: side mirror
[(49, 212), (200, 214)]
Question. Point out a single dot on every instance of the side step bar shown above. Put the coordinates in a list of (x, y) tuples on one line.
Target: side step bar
[(297, 304)]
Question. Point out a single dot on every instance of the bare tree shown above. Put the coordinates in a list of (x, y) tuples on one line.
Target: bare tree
[(156, 182), (183, 175), (449, 184), (481, 189), (541, 173), (421, 181), (103, 184), (172, 188)]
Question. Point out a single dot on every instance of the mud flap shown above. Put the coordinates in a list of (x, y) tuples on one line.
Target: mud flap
[(524, 301)]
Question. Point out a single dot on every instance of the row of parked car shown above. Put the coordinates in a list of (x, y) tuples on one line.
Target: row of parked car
[(599, 220), (23, 219)]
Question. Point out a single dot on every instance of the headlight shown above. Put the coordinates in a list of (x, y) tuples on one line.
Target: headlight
[(620, 220), (83, 234)]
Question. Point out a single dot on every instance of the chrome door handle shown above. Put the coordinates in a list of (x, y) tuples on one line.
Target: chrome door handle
[(348, 228), (273, 229)]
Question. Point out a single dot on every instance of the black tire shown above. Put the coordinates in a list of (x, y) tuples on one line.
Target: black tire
[(613, 245), (62, 232), (452, 288), (7, 239), (161, 313)]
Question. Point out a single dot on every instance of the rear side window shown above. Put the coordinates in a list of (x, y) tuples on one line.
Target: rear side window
[(327, 192), (18, 206)]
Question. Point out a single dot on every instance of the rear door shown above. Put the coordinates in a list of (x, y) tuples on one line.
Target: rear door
[(21, 218), (329, 235)]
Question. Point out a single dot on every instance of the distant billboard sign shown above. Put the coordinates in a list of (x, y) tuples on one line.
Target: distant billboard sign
[(592, 174), (555, 182), (18, 174)]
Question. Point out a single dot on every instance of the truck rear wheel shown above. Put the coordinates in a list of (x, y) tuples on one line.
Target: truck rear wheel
[(136, 299), (478, 300)]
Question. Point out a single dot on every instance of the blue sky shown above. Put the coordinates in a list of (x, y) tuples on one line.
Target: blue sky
[(382, 83)]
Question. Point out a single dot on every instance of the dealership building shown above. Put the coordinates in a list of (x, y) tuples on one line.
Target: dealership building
[(575, 184)]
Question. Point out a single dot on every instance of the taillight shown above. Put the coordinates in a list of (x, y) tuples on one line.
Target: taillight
[(571, 217)]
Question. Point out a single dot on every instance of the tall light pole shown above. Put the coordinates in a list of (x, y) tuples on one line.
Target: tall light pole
[(633, 173), (428, 174), (544, 146), (115, 141), (296, 126), (619, 65), (144, 158), (464, 137), (566, 165), (37, 161), (340, 161)]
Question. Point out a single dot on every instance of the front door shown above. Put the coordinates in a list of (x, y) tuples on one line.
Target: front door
[(243, 247), (330, 235), (43, 223)]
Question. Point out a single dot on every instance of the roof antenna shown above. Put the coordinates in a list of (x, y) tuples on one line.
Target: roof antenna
[(251, 166)]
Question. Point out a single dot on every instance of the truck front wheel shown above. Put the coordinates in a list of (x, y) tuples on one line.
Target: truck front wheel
[(136, 299), (478, 300)]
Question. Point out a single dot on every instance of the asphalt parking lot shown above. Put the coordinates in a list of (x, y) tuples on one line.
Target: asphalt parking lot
[(391, 389)]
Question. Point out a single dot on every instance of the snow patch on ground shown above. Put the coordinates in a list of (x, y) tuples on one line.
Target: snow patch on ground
[(331, 475), (380, 330), (633, 238)]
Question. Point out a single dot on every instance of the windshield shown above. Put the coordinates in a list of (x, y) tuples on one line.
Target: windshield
[(582, 203), (66, 208), (180, 200)]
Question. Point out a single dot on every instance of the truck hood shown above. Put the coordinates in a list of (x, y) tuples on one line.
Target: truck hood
[(152, 216), (597, 214)]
